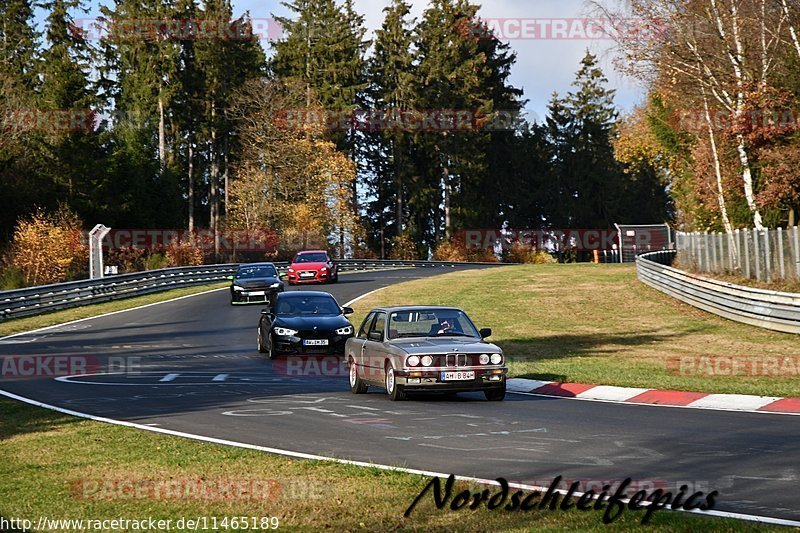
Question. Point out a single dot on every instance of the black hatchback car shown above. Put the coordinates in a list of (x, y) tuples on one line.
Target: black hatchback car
[(255, 283), (304, 323)]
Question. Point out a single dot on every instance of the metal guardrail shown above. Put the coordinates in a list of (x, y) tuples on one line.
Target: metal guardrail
[(46, 298), (779, 311)]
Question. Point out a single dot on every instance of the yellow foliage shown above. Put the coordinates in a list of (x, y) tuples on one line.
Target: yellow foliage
[(48, 248)]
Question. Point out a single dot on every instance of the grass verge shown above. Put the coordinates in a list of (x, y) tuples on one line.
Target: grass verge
[(598, 324), (18, 325), (97, 468)]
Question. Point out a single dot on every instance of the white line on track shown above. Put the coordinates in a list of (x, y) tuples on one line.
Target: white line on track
[(301, 455)]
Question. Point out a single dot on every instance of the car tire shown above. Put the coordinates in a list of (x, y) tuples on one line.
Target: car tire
[(261, 347), (395, 391), (271, 348), (496, 394), (357, 385)]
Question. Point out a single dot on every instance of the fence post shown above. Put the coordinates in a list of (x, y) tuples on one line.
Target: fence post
[(756, 256), (781, 264), (707, 252), (797, 249), (722, 252), (745, 233), (767, 256), (738, 237), (714, 252)]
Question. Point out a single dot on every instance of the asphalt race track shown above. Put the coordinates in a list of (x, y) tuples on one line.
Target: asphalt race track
[(201, 374)]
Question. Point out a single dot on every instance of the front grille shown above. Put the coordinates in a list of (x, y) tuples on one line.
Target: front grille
[(456, 359)]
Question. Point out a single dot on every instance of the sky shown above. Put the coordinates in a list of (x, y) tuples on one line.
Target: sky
[(544, 64)]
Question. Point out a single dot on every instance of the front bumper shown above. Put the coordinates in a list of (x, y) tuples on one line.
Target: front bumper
[(319, 277), (295, 346), (431, 380), (251, 296)]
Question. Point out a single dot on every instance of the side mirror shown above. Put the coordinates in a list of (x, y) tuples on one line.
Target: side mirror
[(347, 311), (376, 336), (486, 332)]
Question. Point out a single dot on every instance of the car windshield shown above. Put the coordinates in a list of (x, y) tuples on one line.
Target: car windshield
[(311, 258), (431, 323), (262, 271), (306, 305)]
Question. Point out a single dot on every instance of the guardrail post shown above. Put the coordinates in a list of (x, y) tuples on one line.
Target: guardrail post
[(781, 264)]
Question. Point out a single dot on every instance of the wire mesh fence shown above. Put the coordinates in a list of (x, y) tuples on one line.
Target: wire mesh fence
[(762, 255)]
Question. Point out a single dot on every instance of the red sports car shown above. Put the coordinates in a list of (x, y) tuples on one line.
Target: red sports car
[(312, 266)]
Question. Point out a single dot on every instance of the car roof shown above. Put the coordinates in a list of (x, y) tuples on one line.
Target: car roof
[(416, 308), (256, 265), (304, 293), (312, 252)]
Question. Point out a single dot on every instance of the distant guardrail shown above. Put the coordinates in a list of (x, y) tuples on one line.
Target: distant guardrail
[(779, 311), (45, 298)]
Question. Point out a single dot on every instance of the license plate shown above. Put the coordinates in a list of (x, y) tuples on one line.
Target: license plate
[(458, 376), (316, 342), (257, 293), (307, 275)]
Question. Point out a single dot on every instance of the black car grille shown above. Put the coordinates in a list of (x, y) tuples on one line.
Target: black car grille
[(456, 359)]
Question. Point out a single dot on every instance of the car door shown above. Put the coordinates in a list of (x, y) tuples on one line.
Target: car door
[(356, 344), (374, 354)]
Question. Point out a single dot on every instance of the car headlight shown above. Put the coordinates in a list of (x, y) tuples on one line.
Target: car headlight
[(285, 332), (412, 360), (347, 330), (238, 288), (497, 359), (275, 285), (427, 360), (291, 270), (484, 359), (323, 269)]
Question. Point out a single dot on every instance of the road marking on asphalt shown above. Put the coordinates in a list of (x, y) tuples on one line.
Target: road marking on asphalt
[(168, 377), (313, 457), (220, 377)]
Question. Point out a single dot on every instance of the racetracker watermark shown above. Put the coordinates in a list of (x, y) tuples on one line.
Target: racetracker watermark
[(311, 366), (54, 366), (47, 120), (228, 239), (777, 120), (613, 499), (401, 120), (566, 29), (561, 239), (152, 29), (735, 365)]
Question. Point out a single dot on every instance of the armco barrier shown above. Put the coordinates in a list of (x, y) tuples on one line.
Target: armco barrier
[(45, 298), (779, 311)]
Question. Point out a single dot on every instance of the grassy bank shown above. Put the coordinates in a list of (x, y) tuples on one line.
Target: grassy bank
[(597, 324), (62, 467)]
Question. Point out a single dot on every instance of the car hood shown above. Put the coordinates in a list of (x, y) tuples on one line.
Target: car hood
[(321, 322), (430, 345), (251, 283), (308, 266)]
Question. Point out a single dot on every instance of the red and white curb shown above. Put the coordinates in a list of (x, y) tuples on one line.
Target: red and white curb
[(664, 398)]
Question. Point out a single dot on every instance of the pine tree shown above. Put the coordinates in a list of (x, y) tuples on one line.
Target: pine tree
[(387, 150), (18, 42)]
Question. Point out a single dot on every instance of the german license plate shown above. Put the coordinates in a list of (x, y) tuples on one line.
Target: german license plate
[(316, 342), (306, 274), (458, 376), (257, 293)]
